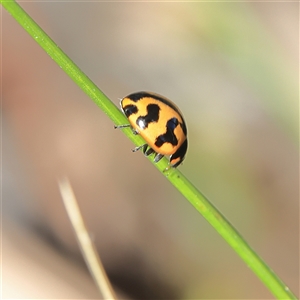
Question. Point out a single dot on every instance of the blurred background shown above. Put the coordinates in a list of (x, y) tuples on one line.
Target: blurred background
[(232, 68)]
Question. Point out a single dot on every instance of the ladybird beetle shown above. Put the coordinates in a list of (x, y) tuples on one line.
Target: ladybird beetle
[(159, 122)]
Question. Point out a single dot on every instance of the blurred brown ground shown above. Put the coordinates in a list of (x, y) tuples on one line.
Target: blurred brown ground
[(232, 68)]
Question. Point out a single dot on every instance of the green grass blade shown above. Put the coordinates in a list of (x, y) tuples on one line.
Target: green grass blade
[(199, 201)]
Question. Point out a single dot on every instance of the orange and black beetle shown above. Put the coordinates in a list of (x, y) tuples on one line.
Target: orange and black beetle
[(159, 122)]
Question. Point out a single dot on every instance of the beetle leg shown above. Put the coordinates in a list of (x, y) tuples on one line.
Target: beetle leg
[(122, 126), (158, 157), (134, 131), (144, 147), (149, 151)]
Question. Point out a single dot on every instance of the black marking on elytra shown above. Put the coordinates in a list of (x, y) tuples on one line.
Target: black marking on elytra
[(140, 95), (182, 125), (169, 136), (129, 110), (151, 116), (180, 153)]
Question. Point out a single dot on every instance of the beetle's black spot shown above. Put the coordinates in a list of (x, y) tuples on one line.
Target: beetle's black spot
[(180, 153), (129, 110), (169, 136), (137, 96), (152, 116), (140, 95), (183, 128)]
